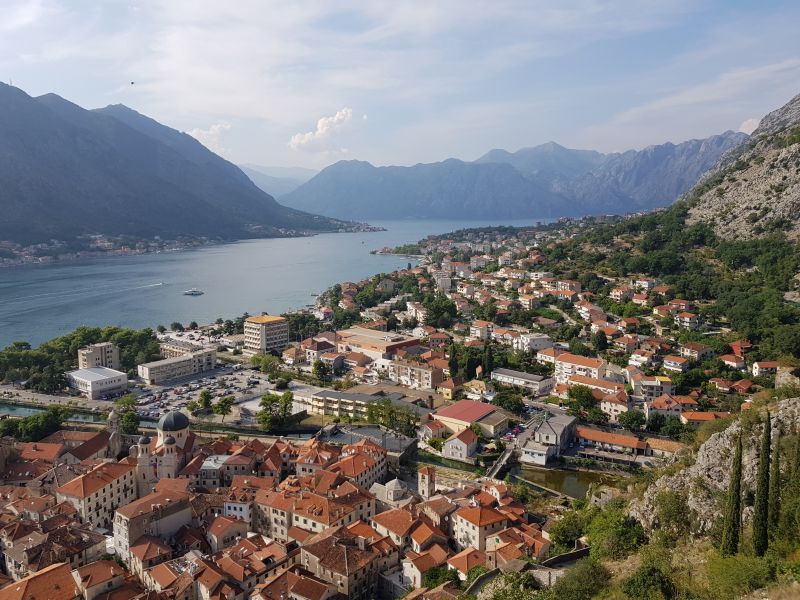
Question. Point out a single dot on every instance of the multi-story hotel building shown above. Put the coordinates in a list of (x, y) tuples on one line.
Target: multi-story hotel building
[(179, 366), (104, 354), (265, 333)]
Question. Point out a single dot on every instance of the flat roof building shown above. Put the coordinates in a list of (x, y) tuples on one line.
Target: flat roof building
[(179, 366), (98, 382), (373, 343), (104, 354), (264, 334)]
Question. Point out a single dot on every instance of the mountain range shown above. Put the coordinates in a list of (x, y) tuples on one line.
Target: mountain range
[(277, 181), (544, 181), (67, 172)]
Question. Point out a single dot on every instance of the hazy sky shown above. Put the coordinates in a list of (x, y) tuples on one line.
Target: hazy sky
[(401, 82)]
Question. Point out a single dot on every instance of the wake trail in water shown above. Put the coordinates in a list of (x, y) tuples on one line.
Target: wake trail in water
[(88, 292)]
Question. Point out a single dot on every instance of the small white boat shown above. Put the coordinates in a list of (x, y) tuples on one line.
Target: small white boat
[(193, 292)]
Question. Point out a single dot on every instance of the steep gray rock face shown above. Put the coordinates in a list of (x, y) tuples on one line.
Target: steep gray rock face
[(754, 190), (705, 483), (779, 119)]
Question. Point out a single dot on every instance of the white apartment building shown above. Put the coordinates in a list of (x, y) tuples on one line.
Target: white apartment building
[(264, 334), (415, 375), (97, 382), (567, 365), (536, 384), (180, 366), (104, 354), (531, 342)]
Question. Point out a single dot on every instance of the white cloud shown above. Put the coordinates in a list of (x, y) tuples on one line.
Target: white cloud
[(749, 126), (211, 138), (21, 15), (325, 126)]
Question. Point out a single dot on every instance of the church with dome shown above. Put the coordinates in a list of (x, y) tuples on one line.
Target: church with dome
[(164, 456)]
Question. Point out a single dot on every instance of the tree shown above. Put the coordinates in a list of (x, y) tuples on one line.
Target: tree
[(452, 360), (320, 370), (649, 582), (223, 406), (474, 573), (600, 341), (126, 402), (585, 580), (672, 427), (264, 418), (129, 422), (176, 326), (761, 506), (568, 528), (438, 575), (204, 399), (613, 534), (161, 329), (193, 325), (632, 420), (488, 360), (732, 523), (656, 422), (775, 486), (285, 403)]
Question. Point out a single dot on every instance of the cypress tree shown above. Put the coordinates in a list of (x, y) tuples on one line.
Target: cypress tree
[(775, 486), (452, 360), (733, 506), (761, 506), (794, 467)]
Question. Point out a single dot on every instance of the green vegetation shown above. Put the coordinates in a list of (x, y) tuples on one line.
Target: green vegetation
[(732, 523), (223, 407), (34, 427), (761, 506), (397, 418), (43, 367)]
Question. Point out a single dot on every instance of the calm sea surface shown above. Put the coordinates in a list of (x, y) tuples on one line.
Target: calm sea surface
[(41, 302)]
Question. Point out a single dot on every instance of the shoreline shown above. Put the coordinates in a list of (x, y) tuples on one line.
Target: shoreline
[(170, 246)]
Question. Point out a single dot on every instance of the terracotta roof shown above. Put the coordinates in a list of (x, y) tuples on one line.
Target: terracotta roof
[(465, 435), (466, 559), (145, 505), (51, 583), (223, 525), (467, 411), (582, 361), (96, 479), (398, 521), (99, 572), (39, 451), (616, 439), (149, 547), (480, 515), (92, 446)]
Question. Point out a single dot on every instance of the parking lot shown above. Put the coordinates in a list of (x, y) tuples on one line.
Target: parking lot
[(244, 384)]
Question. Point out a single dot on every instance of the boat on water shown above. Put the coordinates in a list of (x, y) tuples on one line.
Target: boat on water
[(193, 292)]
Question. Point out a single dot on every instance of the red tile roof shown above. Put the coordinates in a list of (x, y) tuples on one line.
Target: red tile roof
[(467, 411)]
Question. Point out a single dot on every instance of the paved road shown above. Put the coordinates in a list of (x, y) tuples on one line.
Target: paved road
[(567, 318)]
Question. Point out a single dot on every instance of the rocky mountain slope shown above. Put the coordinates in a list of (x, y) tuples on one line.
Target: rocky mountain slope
[(705, 483), (450, 189), (755, 190), (66, 172), (545, 181)]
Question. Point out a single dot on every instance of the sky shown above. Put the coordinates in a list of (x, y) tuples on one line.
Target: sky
[(307, 83)]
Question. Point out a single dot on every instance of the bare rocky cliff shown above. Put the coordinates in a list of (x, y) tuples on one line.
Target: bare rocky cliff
[(705, 483), (754, 190)]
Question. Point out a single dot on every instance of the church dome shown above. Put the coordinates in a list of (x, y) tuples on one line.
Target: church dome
[(174, 420), (144, 440), (169, 440)]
